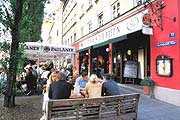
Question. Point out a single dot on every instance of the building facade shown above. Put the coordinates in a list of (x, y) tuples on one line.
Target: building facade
[(133, 39)]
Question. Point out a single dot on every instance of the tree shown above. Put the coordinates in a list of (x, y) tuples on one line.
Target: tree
[(23, 18)]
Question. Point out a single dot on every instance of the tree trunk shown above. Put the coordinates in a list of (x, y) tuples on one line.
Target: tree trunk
[(9, 98), (9, 101)]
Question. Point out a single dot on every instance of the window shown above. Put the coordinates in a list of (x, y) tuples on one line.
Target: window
[(90, 2), (90, 26), (116, 10), (100, 20), (74, 17), (67, 42), (82, 8), (82, 11), (74, 36), (139, 2), (82, 30), (71, 39), (57, 33)]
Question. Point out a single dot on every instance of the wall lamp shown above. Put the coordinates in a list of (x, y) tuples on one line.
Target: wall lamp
[(107, 49)]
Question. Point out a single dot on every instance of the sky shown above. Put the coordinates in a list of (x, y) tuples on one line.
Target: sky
[(49, 9)]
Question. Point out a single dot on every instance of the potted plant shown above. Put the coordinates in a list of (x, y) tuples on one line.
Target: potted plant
[(147, 84)]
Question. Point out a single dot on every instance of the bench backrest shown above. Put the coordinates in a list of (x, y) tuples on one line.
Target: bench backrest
[(125, 106)]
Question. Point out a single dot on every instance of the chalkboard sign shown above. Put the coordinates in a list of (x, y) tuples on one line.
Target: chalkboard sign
[(130, 69)]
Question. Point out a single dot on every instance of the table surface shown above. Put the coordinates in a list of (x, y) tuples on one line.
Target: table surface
[(74, 96)]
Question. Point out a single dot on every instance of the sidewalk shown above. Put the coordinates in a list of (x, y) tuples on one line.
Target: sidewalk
[(152, 109)]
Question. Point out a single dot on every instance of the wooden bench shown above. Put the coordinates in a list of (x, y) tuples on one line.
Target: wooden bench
[(124, 107)]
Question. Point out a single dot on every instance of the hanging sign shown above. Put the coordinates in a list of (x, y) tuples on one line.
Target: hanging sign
[(146, 20)]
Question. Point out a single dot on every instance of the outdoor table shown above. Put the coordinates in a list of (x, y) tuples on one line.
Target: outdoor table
[(74, 96)]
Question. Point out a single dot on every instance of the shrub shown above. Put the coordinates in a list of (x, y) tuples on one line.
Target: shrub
[(147, 82)]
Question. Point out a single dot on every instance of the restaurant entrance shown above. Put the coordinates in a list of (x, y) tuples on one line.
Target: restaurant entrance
[(132, 54)]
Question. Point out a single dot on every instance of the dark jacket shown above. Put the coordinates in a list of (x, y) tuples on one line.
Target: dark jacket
[(60, 90), (110, 88)]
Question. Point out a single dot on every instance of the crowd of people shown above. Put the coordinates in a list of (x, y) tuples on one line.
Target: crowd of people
[(62, 83), (59, 87)]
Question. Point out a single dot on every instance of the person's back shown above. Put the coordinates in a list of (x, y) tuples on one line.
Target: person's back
[(93, 90), (110, 87), (60, 89), (93, 87)]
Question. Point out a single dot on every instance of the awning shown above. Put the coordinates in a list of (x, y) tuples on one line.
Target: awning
[(84, 49), (113, 40), (35, 50)]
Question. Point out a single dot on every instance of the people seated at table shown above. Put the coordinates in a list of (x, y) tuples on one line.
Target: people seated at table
[(109, 86), (60, 89), (93, 87), (81, 82)]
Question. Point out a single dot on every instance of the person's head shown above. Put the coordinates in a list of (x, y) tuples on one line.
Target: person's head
[(108, 77), (84, 75), (93, 78), (61, 76), (76, 72), (53, 76)]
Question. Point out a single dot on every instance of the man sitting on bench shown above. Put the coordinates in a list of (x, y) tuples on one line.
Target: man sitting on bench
[(60, 89), (109, 86)]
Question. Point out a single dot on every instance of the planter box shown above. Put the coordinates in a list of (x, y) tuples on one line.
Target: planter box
[(147, 90)]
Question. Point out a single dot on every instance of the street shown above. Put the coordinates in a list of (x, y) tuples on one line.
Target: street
[(152, 109)]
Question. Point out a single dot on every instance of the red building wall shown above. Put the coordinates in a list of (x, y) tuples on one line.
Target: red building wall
[(170, 11)]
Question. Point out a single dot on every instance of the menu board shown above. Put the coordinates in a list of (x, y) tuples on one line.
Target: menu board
[(130, 69)]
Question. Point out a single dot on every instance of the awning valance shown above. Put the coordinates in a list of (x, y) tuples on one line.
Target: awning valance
[(35, 50)]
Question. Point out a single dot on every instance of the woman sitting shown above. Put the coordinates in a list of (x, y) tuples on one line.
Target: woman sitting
[(93, 87)]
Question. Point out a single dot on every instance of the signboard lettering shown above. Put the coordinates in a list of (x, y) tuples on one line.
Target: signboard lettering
[(32, 47)]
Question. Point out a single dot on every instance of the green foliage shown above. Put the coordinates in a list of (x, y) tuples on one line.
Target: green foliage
[(23, 19), (31, 22), (147, 82), (5, 47), (29, 27)]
